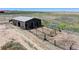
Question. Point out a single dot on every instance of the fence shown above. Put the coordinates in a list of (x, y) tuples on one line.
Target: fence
[(41, 33)]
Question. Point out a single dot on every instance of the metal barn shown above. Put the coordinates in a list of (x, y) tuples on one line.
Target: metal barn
[(26, 22)]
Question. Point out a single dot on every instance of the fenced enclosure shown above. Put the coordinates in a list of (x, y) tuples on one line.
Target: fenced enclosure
[(44, 33)]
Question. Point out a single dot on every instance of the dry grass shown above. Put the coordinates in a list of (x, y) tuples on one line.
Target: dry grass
[(13, 46), (65, 44)]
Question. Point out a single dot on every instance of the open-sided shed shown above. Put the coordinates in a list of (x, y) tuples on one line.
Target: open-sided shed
[(26, 22)]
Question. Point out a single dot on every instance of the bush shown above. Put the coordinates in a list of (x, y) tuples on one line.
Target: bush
[(13, 46), (62, 26)]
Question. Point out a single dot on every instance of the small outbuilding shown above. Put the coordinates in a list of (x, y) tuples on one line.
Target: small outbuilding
[(26, 22)]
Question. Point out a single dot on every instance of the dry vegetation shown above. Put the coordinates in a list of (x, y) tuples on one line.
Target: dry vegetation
[(13, 46)]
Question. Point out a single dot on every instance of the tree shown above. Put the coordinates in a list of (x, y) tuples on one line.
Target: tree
[(61, 26)]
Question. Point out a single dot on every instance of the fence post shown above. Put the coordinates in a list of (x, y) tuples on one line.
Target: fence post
[(55, 42), (45, 37), (71, 46)]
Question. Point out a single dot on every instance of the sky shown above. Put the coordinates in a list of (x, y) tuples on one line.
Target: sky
[(43, 9)]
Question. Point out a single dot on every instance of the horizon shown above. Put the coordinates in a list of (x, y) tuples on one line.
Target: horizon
[(43, 9)]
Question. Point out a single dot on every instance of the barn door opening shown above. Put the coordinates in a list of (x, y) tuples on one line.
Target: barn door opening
[(19, 24)]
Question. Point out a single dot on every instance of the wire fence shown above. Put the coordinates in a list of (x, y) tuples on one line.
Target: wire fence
[(41, 34)]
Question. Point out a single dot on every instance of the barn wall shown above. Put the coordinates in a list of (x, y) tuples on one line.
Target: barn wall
[(37, 22), (33, 23), (22, 25), (17, 23), (27, 24), (14, 22)]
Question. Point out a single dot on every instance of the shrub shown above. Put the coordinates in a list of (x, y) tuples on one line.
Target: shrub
[(13, 46), (61, 26), (57, 26)]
